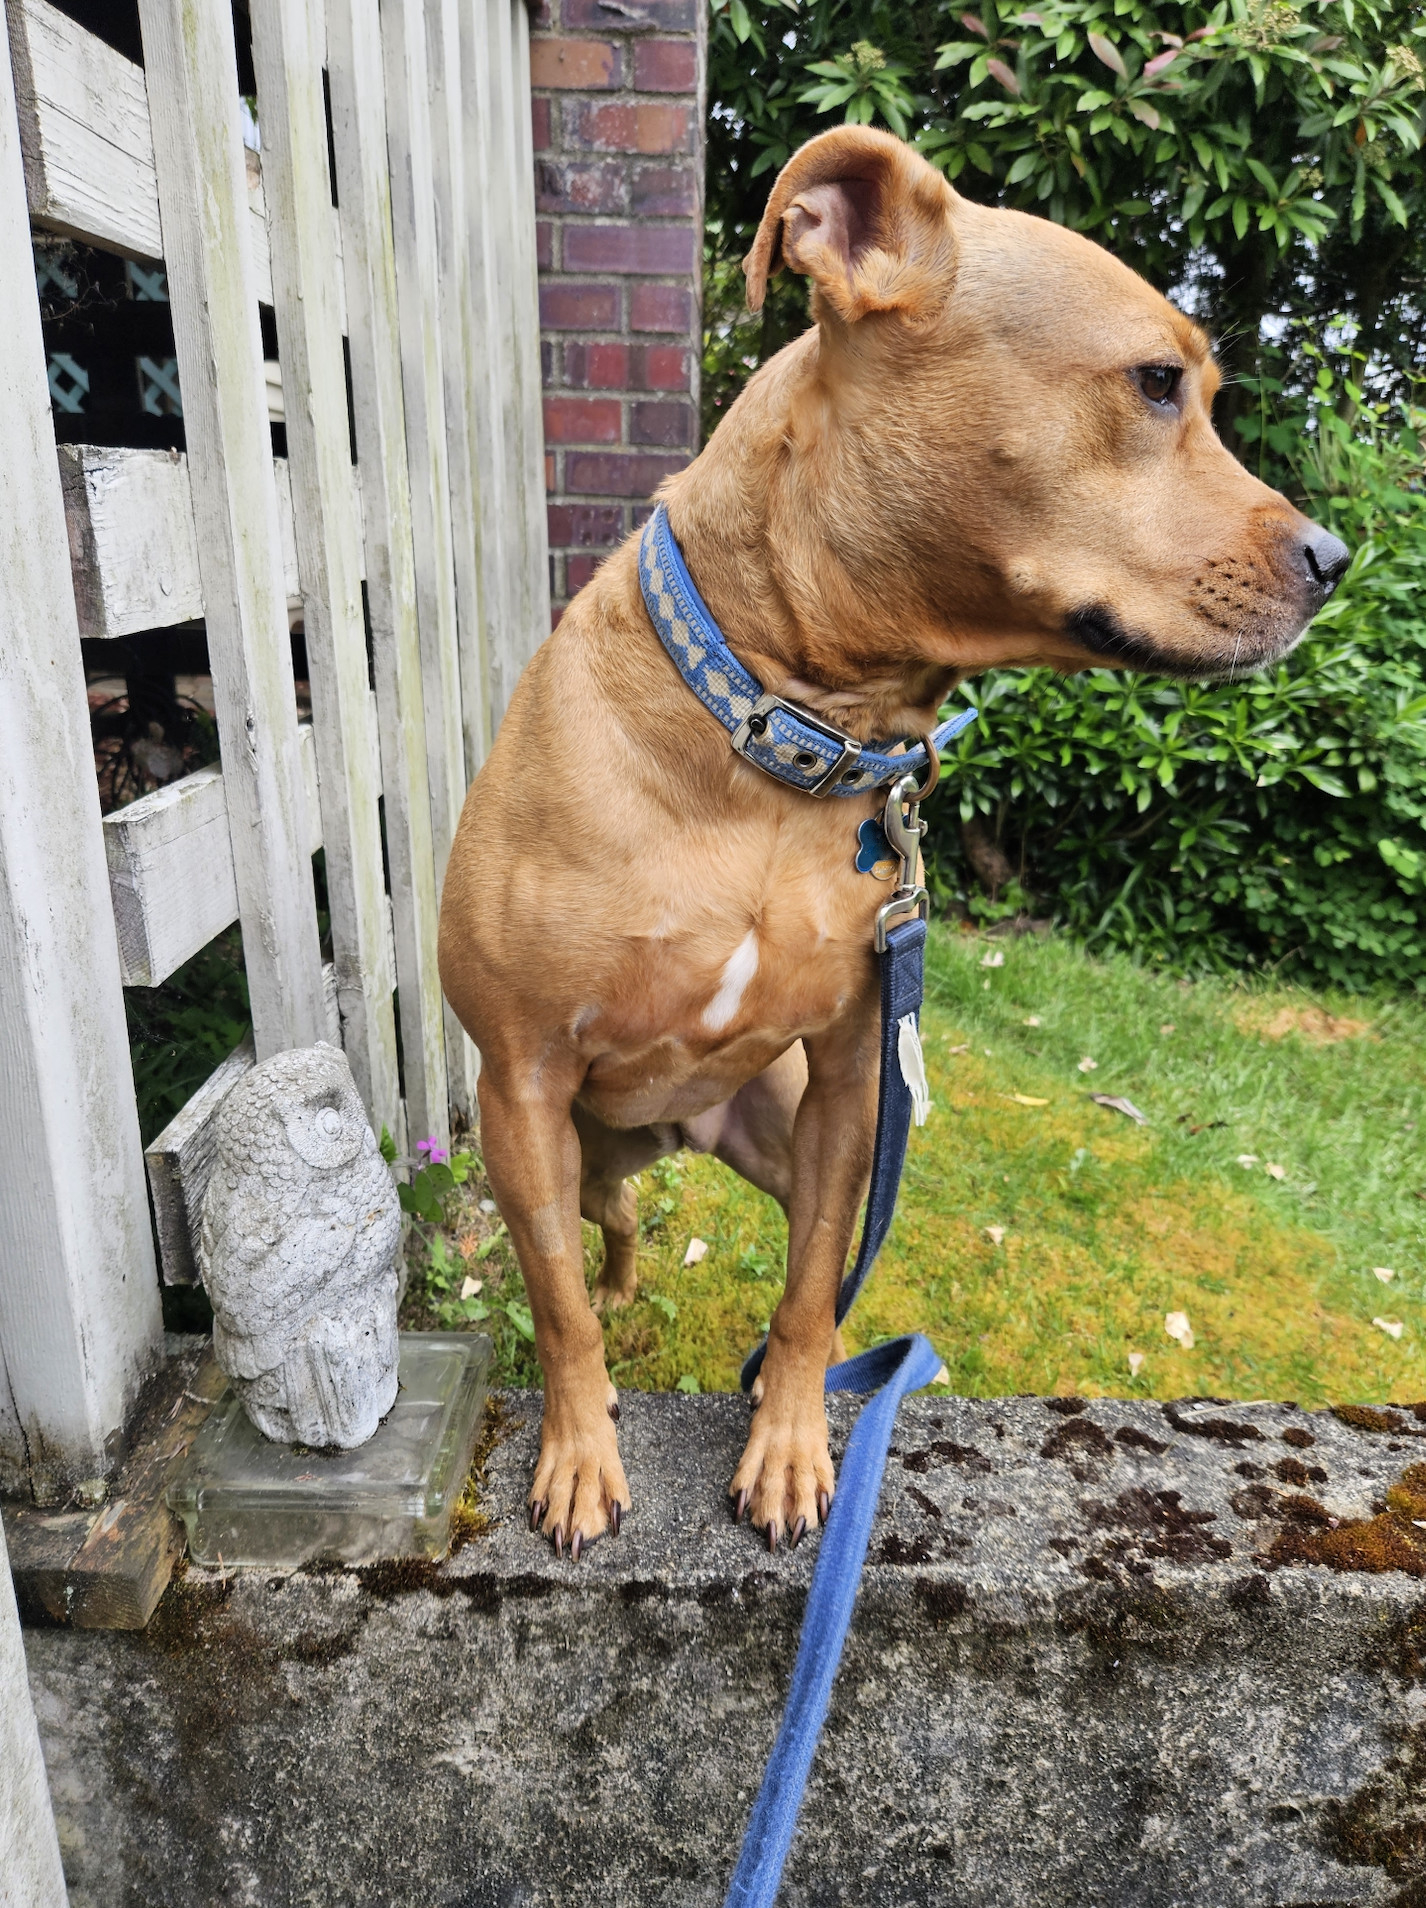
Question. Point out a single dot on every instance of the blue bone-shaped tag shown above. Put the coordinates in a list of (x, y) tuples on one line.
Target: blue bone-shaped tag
[(872, 846)]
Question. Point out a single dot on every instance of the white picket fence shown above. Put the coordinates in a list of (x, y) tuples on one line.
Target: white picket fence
[(420, 253)]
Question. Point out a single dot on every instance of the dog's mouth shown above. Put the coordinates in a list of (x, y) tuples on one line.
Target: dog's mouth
[(1098, 629)]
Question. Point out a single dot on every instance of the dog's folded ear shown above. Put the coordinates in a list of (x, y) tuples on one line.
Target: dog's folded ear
[(865, 218)]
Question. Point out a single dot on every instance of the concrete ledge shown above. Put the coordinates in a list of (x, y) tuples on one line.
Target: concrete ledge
[(1090, 1665)]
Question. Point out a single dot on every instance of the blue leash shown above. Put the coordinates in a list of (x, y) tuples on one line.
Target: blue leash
[(888, 1372), (803, 750)]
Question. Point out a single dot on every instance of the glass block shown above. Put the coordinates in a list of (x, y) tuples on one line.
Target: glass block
[(244, 1500)]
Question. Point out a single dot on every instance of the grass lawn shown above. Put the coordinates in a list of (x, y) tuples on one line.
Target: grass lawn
[(1281, 1164)]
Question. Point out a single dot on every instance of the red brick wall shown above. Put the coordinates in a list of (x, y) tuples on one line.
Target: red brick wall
[(618, 107)]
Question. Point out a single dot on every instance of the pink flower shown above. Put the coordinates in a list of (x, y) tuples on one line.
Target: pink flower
[(436, 1154)]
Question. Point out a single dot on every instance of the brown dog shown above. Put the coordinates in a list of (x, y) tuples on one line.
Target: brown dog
[(993, 448)]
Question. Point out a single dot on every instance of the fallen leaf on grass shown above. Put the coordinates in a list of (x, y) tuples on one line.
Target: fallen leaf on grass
[(697, 1252), (1245, 1160), (1024, 1099), (1136, 1362), (1391, 1326), (469, 1288), (1386, 1273), (1088, 1066), (964, 1047), (996, 958), (1275, 1172), (942, 1377), (1177, 1326), (1168, 1028), (995, 1234), (1033, 1021), (1118, 1104)]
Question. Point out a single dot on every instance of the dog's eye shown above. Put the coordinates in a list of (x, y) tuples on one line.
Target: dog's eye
[(1158, 382)]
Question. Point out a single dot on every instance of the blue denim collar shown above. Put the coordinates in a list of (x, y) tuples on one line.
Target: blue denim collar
[(790, 743)]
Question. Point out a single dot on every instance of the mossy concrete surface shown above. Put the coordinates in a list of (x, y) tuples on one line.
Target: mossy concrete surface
[(1095, 1660)]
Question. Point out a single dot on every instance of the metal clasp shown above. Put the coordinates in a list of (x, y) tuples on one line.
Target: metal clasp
[(754, 727), (904, 830)]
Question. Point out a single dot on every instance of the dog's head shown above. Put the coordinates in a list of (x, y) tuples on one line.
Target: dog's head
[(1021, 425)]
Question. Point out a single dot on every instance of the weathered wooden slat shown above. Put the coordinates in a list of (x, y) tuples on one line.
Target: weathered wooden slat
[(171, 873), (488, 389), (84, 118), (84, 122), (132, 545), (450, 128), (408, 127), (79, 1316), (364, 203), (288, 49), (526, 290), (180, 1160), (191, 66)]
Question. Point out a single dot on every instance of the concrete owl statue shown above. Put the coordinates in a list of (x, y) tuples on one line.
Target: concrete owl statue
[(298, 1246)]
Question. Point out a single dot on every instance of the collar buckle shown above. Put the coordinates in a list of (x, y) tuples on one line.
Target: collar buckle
[(754, 727)]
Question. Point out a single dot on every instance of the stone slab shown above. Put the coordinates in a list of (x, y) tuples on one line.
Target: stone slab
[(1088, 1667)]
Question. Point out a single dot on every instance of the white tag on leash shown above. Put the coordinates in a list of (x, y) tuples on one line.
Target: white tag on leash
[(913, 1066)]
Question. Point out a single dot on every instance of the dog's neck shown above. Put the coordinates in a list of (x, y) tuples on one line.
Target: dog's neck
[(757, 527)]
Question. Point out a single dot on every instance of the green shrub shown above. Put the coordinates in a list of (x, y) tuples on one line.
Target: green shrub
[(1278, 822)]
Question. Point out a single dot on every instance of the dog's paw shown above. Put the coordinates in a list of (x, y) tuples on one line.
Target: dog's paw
[(580, 1490), (785, 1481), (614, 1297)]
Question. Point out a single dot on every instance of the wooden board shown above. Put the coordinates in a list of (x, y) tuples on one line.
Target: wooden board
[(171, 874), (84, 119), (132, 546), (106, 1569), (452, 126), (191, 66), (79, 1313), (408, 127), (288, 48), (84, 122), (526, 292), (364, 205)]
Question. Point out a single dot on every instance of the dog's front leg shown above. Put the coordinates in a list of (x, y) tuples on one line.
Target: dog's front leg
[(785, 1480), (532, 1155)]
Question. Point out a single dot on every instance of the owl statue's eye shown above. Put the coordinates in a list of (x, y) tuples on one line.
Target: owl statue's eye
[(329, 1122)]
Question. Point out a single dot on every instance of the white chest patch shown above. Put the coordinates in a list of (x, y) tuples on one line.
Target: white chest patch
[(742, 964)]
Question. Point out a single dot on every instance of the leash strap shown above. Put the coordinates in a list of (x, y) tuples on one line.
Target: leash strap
[(903, 980), (786, 741), (889, 1372)]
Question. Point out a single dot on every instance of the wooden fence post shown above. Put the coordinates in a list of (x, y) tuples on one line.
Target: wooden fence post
[(369, 262), (79, 1308), (30, 1871), (191, 68), (408, 124), (306, 283)]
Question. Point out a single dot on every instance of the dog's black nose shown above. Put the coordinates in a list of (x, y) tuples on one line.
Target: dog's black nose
[(1326, 558)]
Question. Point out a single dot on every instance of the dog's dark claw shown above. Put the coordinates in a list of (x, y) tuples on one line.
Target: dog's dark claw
[(614, 1411), (559, 1540), (740, 1507), (537, 1512), (576, 1545), (799, 1531), (616, 1516), (824, 1504), (772, 1536)]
